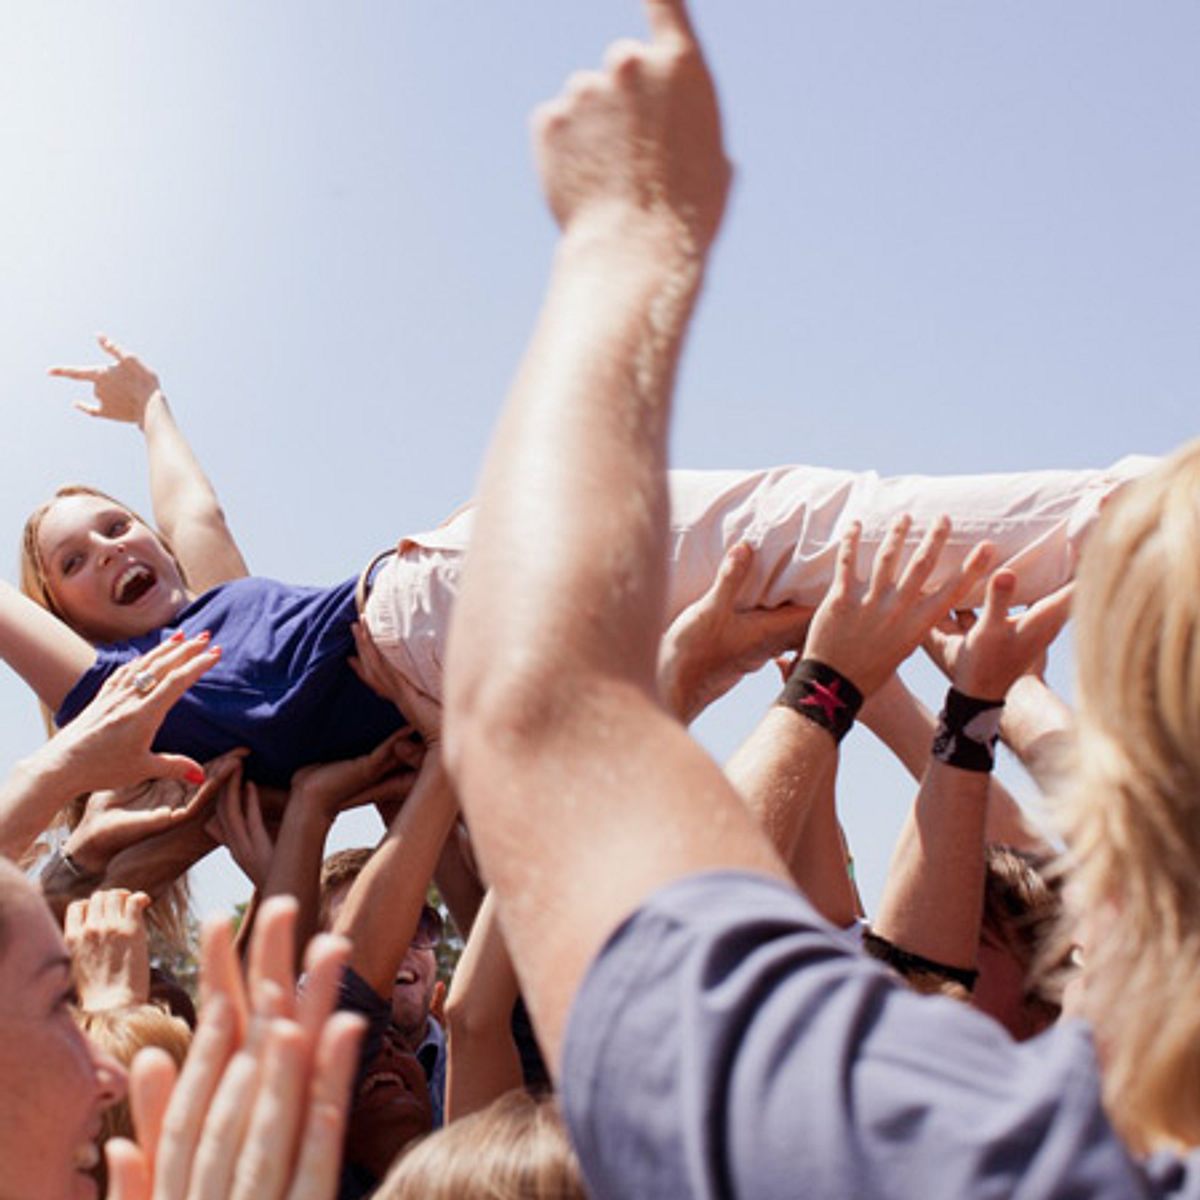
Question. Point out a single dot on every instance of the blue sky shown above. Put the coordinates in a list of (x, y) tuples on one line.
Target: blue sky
[(963, 238)]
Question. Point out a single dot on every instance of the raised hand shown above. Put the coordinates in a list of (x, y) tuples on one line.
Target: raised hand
[(866, 629), (110, 955), (259, 1108), (108, 744), (122, 388), (642, 137), (712, 644), (984, 657), (114, 820)]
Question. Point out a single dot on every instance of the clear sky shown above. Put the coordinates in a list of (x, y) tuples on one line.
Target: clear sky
[(964, 237)]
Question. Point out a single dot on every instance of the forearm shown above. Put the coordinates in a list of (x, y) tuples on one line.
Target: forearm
[(34, 793), (296, 866), (185, 502), (574, 514), (781, 770), (906, 727), (48, 655), (483, 1061), (933, 898), (383, 906), (1038, 727)]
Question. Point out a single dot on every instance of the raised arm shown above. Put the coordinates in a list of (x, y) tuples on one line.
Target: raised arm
[(185, 503), (383, 905), (483, 1061), (108, 745), (906, 727), (43, 650), (583, 795), (933, 899)]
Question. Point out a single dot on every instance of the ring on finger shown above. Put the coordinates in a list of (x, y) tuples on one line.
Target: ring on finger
[(144, 682)]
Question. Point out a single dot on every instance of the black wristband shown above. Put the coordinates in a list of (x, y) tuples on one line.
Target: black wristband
[(825, 696), (967, 730), (906, 963)]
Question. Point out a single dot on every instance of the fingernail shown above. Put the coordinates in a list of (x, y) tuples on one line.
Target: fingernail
[(177, 636), (195, 775), (214, 652), (204, 635)]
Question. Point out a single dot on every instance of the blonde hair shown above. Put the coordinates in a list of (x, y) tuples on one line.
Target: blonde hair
[(168, 915), (1130, 808), (515, 1149), (121, 1033), (33, 580)]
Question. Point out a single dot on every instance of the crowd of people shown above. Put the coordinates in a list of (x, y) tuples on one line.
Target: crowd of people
[(669, 986)]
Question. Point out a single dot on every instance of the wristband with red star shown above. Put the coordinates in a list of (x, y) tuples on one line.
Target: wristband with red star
[(825, 696)]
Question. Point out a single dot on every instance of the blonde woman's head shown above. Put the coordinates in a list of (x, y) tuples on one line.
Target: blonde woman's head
[(1131, 805), (515, 1149)]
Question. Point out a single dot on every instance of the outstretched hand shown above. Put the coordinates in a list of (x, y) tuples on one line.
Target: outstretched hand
[(122, 388), (108, 744), (640, 138), (259, 1108), (984, 657), (109, 946), (712, 644), (114, 820), (866, 629)]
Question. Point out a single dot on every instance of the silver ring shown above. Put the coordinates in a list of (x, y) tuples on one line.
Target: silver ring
[(144, 682)]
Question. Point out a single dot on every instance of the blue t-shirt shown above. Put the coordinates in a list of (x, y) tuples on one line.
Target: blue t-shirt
[(282, 686), (724, 1043)]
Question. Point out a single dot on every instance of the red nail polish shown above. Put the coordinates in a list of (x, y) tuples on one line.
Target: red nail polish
[(177, 636), (203, 637), (195, 775)]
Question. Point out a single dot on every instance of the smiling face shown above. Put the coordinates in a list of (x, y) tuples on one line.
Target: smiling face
[(108, 575), (55, 1083)]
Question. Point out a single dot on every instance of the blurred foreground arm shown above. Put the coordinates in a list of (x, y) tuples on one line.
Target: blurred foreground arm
[(582, 794)]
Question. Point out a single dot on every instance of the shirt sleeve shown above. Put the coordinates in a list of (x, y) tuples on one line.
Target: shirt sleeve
[(726, 1042)]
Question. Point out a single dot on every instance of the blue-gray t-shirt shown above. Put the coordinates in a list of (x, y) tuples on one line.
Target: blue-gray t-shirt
[(726, 1044), (282, 687)]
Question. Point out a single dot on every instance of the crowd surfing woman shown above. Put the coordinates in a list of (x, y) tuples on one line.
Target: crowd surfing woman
[(102, 586)]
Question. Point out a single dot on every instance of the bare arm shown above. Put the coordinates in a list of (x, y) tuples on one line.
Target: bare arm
[(483, 1060), (383, 906), (107, 745), (578, 788), (44, 651), (933, 898), (185, 503), (906, 727)]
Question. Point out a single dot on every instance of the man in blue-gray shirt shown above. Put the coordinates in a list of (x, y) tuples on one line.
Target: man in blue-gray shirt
[(710, 1035)]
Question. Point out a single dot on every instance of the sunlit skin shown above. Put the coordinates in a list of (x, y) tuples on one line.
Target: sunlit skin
[(56, 1084), (109, 574)]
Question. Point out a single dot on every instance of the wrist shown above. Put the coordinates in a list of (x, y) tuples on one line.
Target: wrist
[(154, 406), (822, 695), (967, 731)]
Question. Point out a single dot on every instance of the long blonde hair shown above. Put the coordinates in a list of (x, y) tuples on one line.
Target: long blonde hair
[(1130, 808)]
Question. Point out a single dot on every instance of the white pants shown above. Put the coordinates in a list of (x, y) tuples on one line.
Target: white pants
[(794, 518)]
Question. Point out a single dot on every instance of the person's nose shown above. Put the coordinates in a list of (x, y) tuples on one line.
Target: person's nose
[(107, 547)]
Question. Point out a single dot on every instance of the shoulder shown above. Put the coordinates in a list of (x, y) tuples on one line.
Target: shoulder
[(726, 1032)]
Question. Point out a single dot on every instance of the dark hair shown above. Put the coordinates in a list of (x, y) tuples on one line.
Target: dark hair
[(338, 870)]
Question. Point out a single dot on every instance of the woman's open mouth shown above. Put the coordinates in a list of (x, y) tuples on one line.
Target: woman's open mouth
[(133, 583)]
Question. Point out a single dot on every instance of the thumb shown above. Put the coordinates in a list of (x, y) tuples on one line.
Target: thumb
[(734, 569), (175, 766)]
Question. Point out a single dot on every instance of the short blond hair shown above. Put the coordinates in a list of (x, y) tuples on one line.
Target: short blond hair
[(121, 1033), (1130, 808), (515, 1149)]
